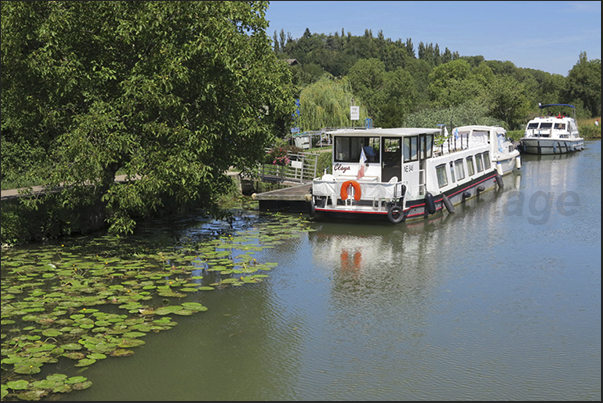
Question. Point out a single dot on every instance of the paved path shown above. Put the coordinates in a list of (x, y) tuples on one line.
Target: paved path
[(12, 193)]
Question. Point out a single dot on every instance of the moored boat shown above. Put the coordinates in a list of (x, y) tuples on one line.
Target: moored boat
[(400, 174), (555, 133), (505, 156)]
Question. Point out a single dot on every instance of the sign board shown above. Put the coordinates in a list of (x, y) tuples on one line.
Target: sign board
[(354, 112)]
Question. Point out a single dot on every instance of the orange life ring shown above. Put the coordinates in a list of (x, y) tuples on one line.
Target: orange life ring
[(344, 190)]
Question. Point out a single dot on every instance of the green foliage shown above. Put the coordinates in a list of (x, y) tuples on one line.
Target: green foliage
[(396, 98), (324, 163), (172, 92), (469, 113), (388, 95), (515, 135), (446, 83), (47, 219), (326, 103), (588, 129), (584, 84), (507, 100), (366, 80)]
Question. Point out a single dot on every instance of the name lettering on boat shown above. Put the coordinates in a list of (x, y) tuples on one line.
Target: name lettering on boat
[(339, 167), (409, 168)]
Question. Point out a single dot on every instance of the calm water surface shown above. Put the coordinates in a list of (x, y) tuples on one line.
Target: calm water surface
[(501, 300)]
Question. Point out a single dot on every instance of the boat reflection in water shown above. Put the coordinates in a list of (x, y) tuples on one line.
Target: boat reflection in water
[(370, 256)]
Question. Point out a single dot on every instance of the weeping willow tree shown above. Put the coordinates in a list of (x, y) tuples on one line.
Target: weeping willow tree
[(326, 103)]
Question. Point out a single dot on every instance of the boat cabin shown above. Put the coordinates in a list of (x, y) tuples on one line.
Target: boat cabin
[(552, 126), (383, 155)]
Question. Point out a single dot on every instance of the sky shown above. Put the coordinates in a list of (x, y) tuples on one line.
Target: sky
[(541, 35)]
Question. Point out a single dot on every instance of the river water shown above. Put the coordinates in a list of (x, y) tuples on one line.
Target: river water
[(500, 301)]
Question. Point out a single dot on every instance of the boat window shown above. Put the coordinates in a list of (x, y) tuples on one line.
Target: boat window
[(372, 149), (480, 137), (459, 169), (414, 148), (487, 160), (426, 146), (479, 162), (533, 125), (546, 125), (347, 149), (410, 148), (441, 174), (560, 126), (470, 166), (452, 172), (422, 146)]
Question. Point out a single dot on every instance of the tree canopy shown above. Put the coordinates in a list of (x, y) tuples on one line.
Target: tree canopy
[(584, 84), (171, 92), (326, 103), (428, 79)]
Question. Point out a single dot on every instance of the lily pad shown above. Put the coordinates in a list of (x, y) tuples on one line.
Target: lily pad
[(121, 352), (194, 306), (166, 310), (18, 385), (129, 343), (72, 346)]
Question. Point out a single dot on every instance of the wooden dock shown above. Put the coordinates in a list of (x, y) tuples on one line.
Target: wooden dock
[(294, 199)]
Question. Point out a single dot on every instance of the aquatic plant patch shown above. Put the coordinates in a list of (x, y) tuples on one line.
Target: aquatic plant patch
[(91, 299)]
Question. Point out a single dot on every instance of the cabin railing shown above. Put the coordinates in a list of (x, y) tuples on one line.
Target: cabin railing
[(376, 193)]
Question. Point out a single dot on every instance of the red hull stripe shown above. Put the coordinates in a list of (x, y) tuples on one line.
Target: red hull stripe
[(352, 212)]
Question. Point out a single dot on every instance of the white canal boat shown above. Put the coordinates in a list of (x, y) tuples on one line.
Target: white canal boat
[(555, 133), (400, 174), (505, 156)]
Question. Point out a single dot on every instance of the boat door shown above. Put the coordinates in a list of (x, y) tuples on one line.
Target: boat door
[(391, 164), (412, 175)]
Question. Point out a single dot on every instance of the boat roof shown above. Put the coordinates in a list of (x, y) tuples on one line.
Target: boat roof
[(550, 118), (545, 105), (378, 131), (497, 129)]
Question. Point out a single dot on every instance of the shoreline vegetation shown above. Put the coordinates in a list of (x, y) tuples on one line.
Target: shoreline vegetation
[(587, 127), (182, 107)]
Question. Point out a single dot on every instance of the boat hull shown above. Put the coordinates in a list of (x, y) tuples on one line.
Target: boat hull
[(506, 165), (413, 209), (541, 146)]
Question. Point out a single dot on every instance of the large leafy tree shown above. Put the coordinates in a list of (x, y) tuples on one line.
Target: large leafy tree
[(584, 84), (326, 103), (452, 84), (173, 93), (508, 101), (394, 99), (366, 78)]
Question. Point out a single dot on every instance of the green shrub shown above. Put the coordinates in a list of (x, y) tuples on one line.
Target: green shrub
[(324, 162)]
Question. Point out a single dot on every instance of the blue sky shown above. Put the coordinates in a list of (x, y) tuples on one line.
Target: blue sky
[(542, 35)]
